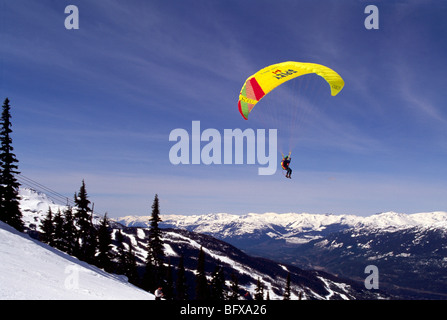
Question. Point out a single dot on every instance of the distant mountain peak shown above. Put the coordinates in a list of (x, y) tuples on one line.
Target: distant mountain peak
[(292, 227)]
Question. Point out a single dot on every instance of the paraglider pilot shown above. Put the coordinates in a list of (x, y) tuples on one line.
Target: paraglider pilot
[(285, 162)]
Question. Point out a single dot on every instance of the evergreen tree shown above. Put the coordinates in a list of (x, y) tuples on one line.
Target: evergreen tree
[(104, 244), (69, 232), (59, 231), (287, 290), (218, 284), (234, 287), (127, 263), (201, 282), (181, 284), (168, 288), (131, 265), (259, 291), (156, 253), (86, 231), (9, 186), (47, 227), (121, 255), (149, 281), (154, 272)]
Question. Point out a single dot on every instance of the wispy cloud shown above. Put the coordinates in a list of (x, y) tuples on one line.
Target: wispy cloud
[(415, 95), (112, 91)]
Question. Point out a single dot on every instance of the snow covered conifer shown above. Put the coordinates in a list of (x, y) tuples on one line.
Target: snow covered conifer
[(86, 232), (105, 244), (9, 186), (156, 253), (47, 228), (69, 232), (154, 273), (59, 230), (131, 265)]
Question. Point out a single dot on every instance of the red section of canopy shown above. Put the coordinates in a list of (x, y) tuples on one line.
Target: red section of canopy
[(257, 90)]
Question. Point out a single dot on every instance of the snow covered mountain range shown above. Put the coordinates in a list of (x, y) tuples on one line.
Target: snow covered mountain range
[(293, 228), (410, 250)]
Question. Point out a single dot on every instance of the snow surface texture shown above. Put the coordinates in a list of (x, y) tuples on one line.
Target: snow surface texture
[(31, 270)]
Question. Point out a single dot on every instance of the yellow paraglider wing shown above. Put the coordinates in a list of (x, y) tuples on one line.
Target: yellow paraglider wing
[(267, 79)]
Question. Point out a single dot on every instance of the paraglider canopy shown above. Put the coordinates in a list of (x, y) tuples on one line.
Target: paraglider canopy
[(267, 79)]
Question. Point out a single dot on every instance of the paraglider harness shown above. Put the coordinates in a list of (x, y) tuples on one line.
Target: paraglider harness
[(285, 162)]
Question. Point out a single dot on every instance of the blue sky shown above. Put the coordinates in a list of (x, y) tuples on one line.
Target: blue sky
[(99, 103)]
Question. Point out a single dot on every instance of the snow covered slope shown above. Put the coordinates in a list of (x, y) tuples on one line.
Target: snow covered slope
[(32, 270)]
